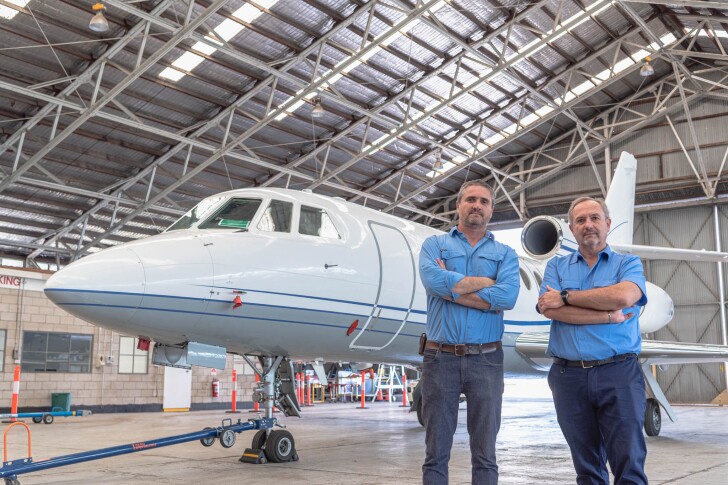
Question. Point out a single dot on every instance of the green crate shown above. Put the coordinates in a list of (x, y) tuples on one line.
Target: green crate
[(60, 401)]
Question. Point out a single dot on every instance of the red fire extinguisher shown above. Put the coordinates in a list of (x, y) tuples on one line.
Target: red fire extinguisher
[(215, 388)]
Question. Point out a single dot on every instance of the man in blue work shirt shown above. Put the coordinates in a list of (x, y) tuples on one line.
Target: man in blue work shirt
[(593, 298), (470, 279)]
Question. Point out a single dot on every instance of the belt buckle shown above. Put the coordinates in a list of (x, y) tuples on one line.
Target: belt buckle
[(460, 350), (585, 366)]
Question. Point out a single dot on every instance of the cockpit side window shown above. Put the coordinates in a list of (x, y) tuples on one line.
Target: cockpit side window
[(277, 217), (200, 211), (235, 214), (316, 222)]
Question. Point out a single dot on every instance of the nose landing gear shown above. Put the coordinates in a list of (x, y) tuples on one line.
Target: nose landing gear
[(276, 388)]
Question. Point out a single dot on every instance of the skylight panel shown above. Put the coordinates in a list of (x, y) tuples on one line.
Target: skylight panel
[(9, 13), (576, 91), (227, 29)]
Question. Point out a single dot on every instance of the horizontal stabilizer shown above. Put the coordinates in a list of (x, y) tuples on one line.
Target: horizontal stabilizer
[(654, 352), (654, 252)]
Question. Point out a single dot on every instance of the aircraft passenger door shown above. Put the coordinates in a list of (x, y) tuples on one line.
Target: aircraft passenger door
[(396, 291)]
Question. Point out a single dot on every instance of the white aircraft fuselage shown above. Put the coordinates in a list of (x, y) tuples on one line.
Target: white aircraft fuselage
[(352, 298)]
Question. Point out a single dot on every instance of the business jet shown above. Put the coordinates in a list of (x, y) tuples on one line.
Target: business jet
[(280, 274)]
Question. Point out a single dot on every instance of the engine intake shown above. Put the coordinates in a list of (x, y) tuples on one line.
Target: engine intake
[(544, 236)]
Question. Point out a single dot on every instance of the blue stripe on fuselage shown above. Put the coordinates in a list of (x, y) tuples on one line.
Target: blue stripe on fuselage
[(223, 315)]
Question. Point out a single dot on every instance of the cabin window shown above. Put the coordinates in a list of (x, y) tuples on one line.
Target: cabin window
[(131, 359), (277, 217), (235, 214), (524, 277), (195, 214), (316, 222), (56, 352)]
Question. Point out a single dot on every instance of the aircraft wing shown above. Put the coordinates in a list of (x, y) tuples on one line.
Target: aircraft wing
[(654, 352), (655, 252)]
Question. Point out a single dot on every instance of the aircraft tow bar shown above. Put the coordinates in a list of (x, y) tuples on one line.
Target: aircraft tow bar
[(226, 433)]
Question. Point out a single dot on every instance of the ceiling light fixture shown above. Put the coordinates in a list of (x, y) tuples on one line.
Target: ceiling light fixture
[(98, 22), (318, 108), (438, 166), (647, 70)]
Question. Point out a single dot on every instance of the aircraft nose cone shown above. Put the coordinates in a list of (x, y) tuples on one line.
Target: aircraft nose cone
[(103, 288)]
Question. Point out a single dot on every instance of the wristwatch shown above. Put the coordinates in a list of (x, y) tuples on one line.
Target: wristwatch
[(565, 296)]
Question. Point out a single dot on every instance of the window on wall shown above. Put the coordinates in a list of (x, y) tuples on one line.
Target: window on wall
[(131, 359), (3, 333), (56, 352)]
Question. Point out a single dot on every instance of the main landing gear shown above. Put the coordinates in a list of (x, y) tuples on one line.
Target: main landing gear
[(276, 388), (653, 417)]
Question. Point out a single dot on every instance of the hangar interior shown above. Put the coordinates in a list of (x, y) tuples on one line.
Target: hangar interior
[(109, 134)]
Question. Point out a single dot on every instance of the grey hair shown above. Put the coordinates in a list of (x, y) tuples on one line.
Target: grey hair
[(479, 182), (586, 199)]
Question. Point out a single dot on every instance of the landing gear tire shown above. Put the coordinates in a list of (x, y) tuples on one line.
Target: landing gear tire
[(653, 418), (208, 440), (48, 419), (419, 413), (259, 440), (13, 481), (38, 419), (280, 447)]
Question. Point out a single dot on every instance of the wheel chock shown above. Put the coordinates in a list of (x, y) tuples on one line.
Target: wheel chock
[(253, 455)]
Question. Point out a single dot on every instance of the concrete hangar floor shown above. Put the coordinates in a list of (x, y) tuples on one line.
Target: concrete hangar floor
[(340, 444)]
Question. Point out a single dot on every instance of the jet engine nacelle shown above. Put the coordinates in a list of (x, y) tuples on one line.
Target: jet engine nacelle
[(544, 236)]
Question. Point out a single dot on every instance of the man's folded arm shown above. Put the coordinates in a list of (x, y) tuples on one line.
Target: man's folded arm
[(504, 293)]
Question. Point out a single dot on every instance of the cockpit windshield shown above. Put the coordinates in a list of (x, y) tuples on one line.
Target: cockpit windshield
[(235, 214), (200, 211)]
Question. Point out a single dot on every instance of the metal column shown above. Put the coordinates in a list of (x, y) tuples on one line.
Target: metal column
[(724, 332)]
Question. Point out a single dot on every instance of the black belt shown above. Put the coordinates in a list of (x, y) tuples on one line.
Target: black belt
[(464, 349), (586, 364)]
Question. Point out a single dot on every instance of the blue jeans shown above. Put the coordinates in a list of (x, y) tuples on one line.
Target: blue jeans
[(601, 412), (444, 377)]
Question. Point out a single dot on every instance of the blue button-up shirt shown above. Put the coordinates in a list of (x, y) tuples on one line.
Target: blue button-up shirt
[(450, 322), (603, 340)]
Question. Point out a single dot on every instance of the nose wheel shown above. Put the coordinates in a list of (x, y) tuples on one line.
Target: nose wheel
[(275, 447), (280, 447)]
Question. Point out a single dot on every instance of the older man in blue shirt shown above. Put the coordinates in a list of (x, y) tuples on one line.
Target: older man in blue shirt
[(470, 279), (593, 298)]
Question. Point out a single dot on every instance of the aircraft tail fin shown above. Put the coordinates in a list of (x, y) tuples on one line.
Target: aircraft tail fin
[(620, 200)]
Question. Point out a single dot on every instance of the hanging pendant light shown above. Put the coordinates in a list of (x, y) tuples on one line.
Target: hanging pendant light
[(98, 22)]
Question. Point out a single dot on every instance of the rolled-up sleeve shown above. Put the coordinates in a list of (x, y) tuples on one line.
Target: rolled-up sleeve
[(437, 281), (504, 293), (550, 277), (631, 270)]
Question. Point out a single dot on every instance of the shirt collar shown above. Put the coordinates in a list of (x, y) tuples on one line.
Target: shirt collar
[(605, 253), (457, 232)]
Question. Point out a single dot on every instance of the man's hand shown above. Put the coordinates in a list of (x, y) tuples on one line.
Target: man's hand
[(550, 300), (617, 316), (440, 263)]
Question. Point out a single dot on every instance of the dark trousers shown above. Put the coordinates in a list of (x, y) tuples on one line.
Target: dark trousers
[(444, 377), (601, 412)]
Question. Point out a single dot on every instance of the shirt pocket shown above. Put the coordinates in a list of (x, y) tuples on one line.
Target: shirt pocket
[(604, 281), (570, 284), (454, 260), (488, 264)]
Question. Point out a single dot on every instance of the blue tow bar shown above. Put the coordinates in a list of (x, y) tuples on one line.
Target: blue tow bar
[(225, 433)]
